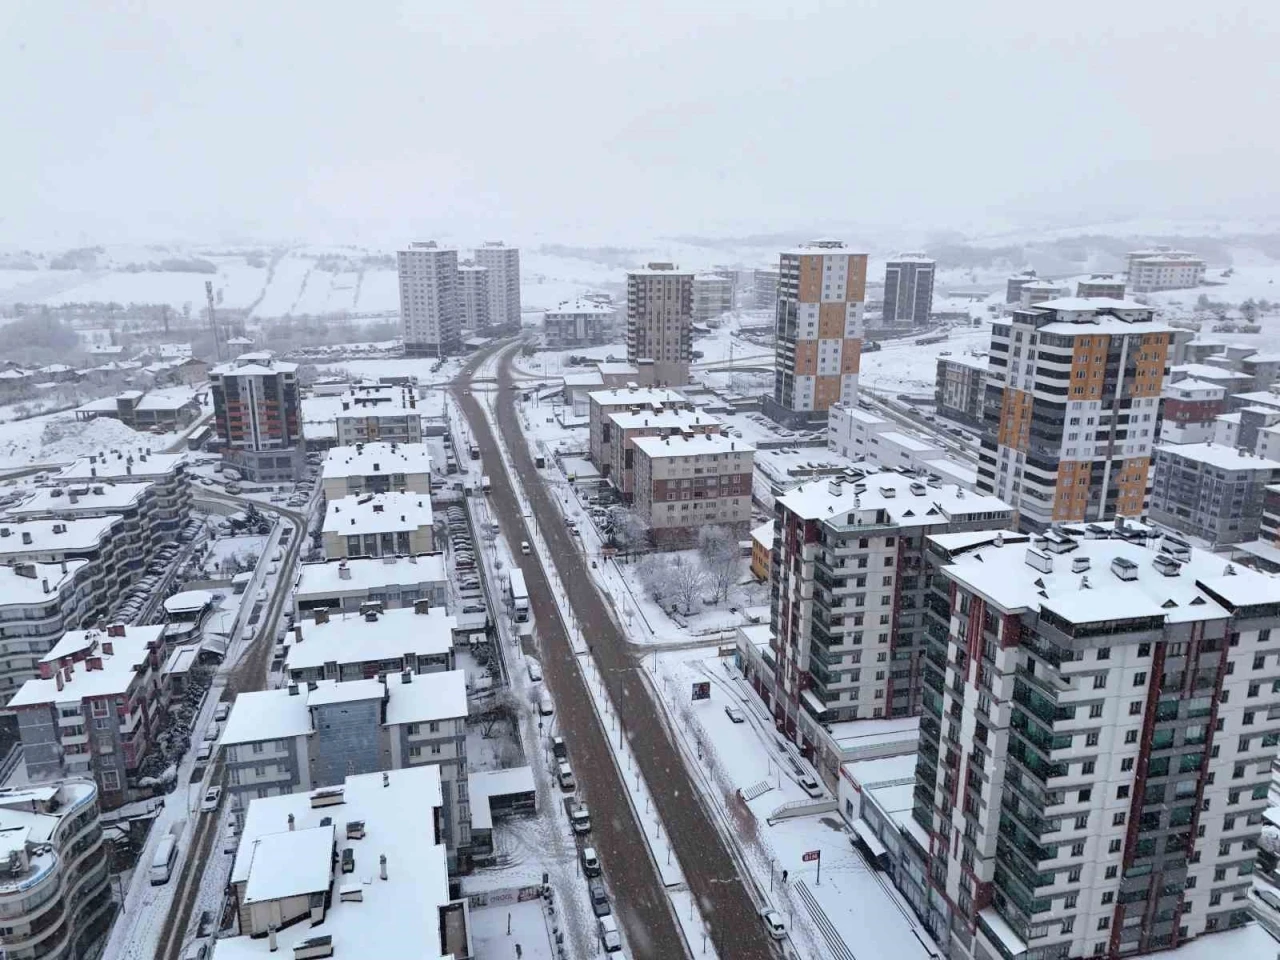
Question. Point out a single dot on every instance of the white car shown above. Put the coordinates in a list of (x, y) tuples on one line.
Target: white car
[(212, 797), (774, 923), (810, 786)]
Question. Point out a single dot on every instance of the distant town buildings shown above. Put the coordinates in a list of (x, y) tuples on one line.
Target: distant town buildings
[(1096, 742), (1014, 285), (712, 296), (1072, 409), (157, 412), (686, 482), (55, 893), (503, 264), (821, 297), (1164, 268), (257, 415), (473, 295), (764, 289), (659, 318), (1038, 291), (1211, 492), (908, 290), (429, 299), (95, 708), (578, 323)]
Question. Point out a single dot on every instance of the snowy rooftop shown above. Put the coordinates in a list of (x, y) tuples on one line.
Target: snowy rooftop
[(670, 418), (1217, 455), (89, 498), (855, 735), (592, 379), (129, 651), (23, 820), (188, 601), (696, 446), (396, 917), (763, 534), (32, 583), (638, 396), (371, 459), (801, 463), (484, 784), (350, 691), (617, 369), (1042, 285), (427, 697), (76, 534), (883, 770), (580, 306), (904, 501), (368, 573), (378, 513), (269, 715), (1001, 573), (363, 406), (254, 365), (909, 441), (1191, 385), (653, 270), (353, 639), (968, 360), (1262, 398), (862, 416), (951, 470), (291, 864), (115, 464), (1206, 371)]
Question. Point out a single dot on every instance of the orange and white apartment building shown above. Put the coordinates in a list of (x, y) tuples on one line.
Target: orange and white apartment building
[(1072, 407), (822, 290)]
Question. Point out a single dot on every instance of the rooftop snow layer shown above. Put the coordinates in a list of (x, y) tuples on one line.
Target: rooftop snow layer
[(353, 639), (378, 513), (368, 573), (375, 459), (906, 500)]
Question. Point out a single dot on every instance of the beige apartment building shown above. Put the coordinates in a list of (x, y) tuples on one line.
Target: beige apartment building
[(822, 289), (683, 483), (627, 428), (660, 320)]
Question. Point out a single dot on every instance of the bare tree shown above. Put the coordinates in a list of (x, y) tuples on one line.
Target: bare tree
[(627, 529), (656, 575), (502, 707), (719, 552), (687, 581)]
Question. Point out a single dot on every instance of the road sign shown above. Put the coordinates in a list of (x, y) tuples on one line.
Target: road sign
[(812, 855), (702, 690)]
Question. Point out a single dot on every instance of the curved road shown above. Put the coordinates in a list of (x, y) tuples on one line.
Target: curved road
[(643, 909)]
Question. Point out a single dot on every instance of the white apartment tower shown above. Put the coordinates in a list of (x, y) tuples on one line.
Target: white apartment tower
[(429, 299), (503, 264), (473, 296)]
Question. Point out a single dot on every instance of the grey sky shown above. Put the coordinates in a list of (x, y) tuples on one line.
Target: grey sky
[(588, 120)]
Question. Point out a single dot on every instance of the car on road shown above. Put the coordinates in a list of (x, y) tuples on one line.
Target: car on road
[(473, 608), (535, 671), (545, 707), (774, 923), (524, 547), (564, 776), (590, 861), (810, 786), (212, 797), (579, 818), (204, 752), (222, 711), (610, 938), (735, 714), (599, 897)]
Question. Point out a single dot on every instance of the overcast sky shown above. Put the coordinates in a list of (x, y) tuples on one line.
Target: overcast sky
[(373, 121)]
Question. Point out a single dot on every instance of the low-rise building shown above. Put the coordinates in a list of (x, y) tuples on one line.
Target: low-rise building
[(309, 735), (342, 586), (376, 468), (1013, 285), (39, 602), (378, 525), (961, 389), (633, 399), (55, 891), (761, 550), (685, 483), (1039, 291), (293, 890), (1107, 285), (1164, 268), (160, 412), (1211, 492), (355, 647), (626, 427), (1189, 410), (862, 435), (578, 323), (94, 709), (780, 470), (379, 412)]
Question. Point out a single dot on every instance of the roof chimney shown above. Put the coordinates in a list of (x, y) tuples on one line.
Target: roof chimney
[(382, 865), (322, 616), (291, 822), (344, 571), (108, 648), (271, 938)]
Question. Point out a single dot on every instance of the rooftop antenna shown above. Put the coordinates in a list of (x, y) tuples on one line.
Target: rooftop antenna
[(213, 325)]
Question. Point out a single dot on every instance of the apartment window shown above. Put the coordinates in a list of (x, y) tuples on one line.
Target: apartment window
[(1131, 736), (1135, 708), (1095, 711), (1086, 794), (1254, 689), (1113, 847), (259, 747), (415, 751), (1144, 649), (1082, 821), (1103, 924), (1117, 820), (1122, 792), (110, 780), (1247, 717), (1073, 875), (1104, 653), (1100, 681), (1091, 740), (1077, 850), (1111, 873), (1139, 679)]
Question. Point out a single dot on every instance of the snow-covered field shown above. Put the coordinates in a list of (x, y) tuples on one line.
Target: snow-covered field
[(59, 438)]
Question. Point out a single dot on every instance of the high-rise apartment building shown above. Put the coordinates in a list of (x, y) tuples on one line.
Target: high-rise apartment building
[(1072, 408), (659, 321), (256, 411), (429, 300), (764, 289), (1096, 742), (821, 294), (712, 296), (473, 296), (908, 291), (503, 264), (849, 577)]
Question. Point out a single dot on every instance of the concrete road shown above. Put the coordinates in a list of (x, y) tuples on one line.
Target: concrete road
[(643, 908)]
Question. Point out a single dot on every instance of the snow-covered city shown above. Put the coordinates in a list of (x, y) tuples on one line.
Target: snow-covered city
[(485, 485)]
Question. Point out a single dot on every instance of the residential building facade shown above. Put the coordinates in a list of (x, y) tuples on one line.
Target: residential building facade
[(473, 296), (602, 404), (99, 540), (39, 602), (961, 389), (374, 642), (1190, 409), (578, 323), (1211, 492), (819, 326), (712, 296), (626, 427), (343, 586), (849, 583), (503, 264), (377, 467), (1163, 268), (684, 483), (55, 891), (257, 415), (659, 319), (1072, 410), (429, 299), (369, 414), (1096, 742), (378, 525), (95, 708), (764, 289), (1107, 285), (908, 291)]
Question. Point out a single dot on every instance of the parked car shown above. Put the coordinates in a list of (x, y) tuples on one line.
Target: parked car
[(204, 752), (774, 923), (196, 951), (590, 861), (212, 797), (564, 776), (810, 786), (610, 938), (735, 714), (222, 711), (524, 547), (599, 897)]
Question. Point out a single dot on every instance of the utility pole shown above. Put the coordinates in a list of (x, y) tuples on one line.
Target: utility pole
[(213, 325)]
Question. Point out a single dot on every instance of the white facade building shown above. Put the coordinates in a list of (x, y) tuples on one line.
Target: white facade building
[(429, 299), (503, 264)]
